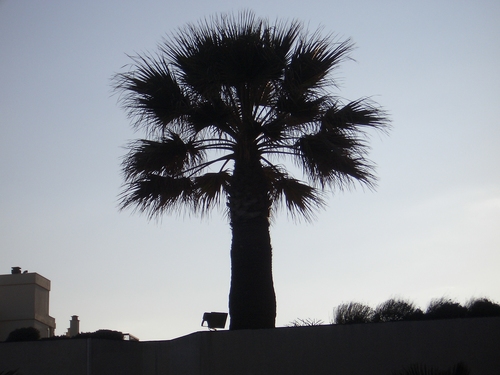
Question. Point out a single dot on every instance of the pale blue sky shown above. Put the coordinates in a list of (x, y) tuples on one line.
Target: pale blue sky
[(430, 230)]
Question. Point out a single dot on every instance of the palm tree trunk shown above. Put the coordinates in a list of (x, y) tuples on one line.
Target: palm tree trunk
[(252, 301)]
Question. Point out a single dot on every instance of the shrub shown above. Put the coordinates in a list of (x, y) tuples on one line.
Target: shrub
[(305, 323), (52, 338), (24, 334), (101, 334), (442, 308), (395, 310), (352, 313), (482, 307)]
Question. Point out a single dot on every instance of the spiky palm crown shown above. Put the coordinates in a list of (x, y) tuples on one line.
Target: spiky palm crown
[(234, 84)]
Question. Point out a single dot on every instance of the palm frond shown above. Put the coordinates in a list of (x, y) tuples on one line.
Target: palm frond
[(210, 188), (154, 194), (334, 158), (310, 64), (335, 154), (300, 199), (151, 94), (354, 116), (215, 115), (232, 51), (294, 112), (170, 155)]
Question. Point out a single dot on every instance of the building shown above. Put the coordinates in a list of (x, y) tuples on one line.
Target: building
[(24, 302)]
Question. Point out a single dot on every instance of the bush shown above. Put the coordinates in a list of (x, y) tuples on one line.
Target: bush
[(24, 334), (352, 313), (396, 310), (53, 338), (482, 307), (101, 334), (305, 323), (442, 308), (399, 309)]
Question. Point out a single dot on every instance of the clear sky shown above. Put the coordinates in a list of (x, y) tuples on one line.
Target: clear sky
[(431, 228)]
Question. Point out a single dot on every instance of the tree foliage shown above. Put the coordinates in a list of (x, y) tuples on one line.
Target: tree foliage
[(231, 83), (24, 334)]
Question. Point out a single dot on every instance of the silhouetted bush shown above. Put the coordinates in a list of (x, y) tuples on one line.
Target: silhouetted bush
[(442, 308), (352, 313), (305, 323), (396, 310), (418, 369), (24, 334), (61, 337), (101, 334), (482, 307)]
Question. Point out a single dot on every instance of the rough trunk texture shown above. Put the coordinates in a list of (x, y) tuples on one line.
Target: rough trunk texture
[(252, 301)]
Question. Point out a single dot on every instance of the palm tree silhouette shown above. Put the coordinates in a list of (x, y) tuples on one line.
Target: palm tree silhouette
[(224, 103)]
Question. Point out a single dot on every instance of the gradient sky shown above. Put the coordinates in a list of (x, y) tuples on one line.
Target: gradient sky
[(430, 229)]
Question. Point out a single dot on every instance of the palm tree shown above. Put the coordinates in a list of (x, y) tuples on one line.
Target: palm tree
[(223, 103)]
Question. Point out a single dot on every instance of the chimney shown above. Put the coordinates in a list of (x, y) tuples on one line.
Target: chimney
[(74, 326), (16, 270)]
